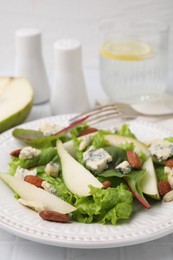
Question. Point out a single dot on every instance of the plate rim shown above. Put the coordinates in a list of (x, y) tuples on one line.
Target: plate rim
[(86, 241)]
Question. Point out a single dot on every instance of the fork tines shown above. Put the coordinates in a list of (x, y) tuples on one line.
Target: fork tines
[(99, 114)]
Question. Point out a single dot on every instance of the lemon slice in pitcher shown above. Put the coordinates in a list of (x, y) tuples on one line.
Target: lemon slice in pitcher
[(126, 50)]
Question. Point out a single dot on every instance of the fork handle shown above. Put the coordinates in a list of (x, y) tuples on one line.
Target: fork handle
[(166, 115)]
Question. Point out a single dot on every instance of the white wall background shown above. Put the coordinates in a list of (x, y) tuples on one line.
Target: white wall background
[(71, 18)]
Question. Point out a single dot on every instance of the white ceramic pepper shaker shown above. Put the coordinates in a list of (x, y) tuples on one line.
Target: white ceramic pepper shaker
[(29, 62), (68, 91)]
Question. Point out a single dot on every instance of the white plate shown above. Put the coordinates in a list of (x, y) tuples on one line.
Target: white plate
[(145, 225)]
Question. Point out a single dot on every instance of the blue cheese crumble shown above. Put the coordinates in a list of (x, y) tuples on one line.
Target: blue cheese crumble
[(48, 187), (52, 169), (21, 172), (161, 149), (124, 167), (96, 159), (49, 129), (29, 152), (85, 142)]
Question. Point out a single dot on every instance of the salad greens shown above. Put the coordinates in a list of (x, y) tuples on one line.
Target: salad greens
[(47, 155), (104, 205), (125, 131)]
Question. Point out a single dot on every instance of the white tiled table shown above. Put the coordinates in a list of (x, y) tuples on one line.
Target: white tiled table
[(15, 248)]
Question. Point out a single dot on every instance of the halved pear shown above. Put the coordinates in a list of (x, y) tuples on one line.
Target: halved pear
[(30, 193), (76, 177), (149, 183), (16, 99)]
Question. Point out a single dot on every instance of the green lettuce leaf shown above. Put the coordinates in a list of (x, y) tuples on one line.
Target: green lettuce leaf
[(75, 132), (125, 131), (98, 140), (104, 205), (160, 173), (121, 211), (127, 146)]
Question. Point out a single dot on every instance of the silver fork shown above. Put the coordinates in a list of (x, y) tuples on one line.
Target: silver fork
[(106, 112)]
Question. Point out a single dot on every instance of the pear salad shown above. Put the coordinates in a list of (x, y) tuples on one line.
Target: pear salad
[(89, 175)]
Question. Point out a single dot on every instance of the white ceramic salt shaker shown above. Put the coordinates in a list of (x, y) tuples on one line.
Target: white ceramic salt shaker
[(68, 91), (29, 62)]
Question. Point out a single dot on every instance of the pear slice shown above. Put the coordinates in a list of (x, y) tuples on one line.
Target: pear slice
[(149, 183), (69, 147), (16, 99), (76, 177), (29, 192), (116, 140)]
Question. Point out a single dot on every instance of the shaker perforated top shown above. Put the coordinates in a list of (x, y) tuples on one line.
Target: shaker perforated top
[(67, 44)]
